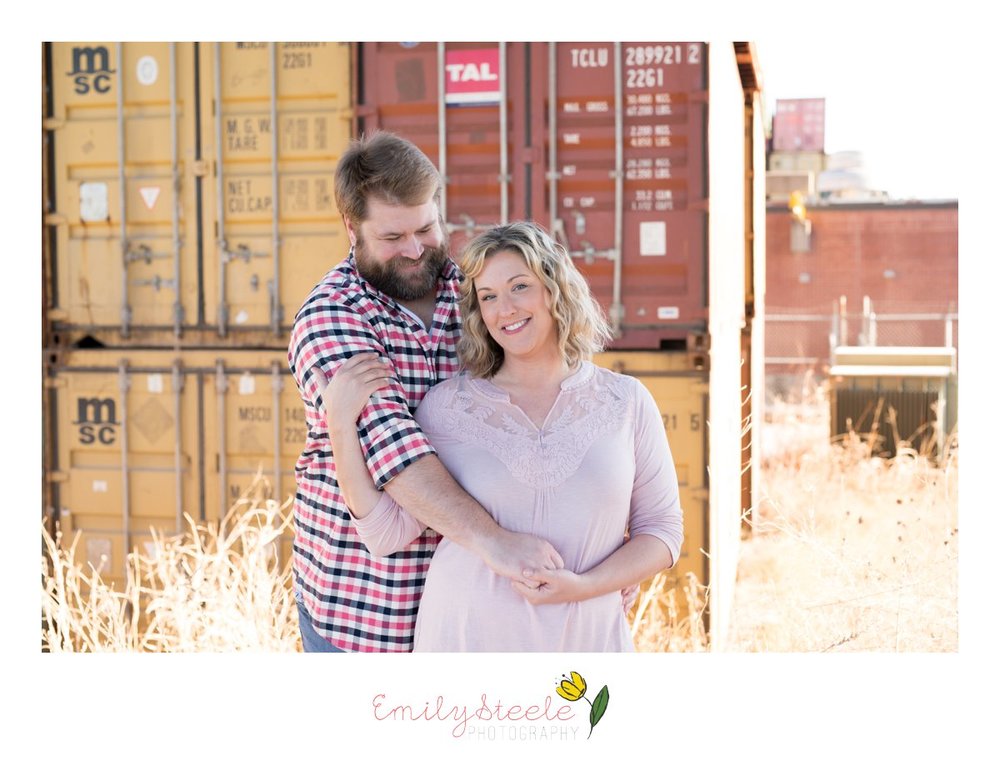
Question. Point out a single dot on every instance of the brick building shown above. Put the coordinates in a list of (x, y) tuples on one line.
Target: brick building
[(902, 256)]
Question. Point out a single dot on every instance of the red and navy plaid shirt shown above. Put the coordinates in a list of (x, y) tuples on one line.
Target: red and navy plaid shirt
[(357, 601)]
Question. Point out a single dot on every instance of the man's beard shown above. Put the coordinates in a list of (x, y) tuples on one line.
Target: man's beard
[(401, 278)]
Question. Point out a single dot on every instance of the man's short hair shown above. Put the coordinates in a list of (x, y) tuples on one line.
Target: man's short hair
[(385, 167)]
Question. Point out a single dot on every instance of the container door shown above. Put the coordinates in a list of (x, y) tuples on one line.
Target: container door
[(625, 180), (254, 425), (122, 199), (127, 452), (272, 225), (456, 102)]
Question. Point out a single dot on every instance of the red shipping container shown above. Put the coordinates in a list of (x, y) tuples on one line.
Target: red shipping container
[(602, 143), (799, 125)]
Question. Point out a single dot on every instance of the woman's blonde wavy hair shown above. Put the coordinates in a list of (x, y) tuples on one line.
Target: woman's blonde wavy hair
[(581, 326)]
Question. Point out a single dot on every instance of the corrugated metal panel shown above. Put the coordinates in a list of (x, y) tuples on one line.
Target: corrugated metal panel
[(880, 410)]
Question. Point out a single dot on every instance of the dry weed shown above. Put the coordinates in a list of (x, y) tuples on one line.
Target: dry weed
[(849, 552), (212, 589), (660, 625)]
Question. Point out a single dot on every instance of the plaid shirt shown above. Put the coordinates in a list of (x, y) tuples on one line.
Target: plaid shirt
[(357, 601)]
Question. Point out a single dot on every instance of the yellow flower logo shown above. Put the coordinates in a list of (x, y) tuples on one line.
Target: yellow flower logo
[(572, 690), (575, 687)]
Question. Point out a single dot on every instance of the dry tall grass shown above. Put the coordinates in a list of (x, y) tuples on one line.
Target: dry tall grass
[(849, 552), (661, 623), (212, 589)]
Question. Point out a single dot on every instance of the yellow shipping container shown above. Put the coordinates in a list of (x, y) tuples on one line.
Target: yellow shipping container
[(681, 393), (141, 438), (180, 214)]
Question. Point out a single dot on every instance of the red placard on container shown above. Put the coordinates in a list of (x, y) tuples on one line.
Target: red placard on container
[(472, 77)]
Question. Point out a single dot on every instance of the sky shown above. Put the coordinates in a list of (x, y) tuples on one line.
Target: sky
[(898, 109)]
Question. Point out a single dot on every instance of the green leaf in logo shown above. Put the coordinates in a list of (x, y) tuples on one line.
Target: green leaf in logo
[(597, 708)]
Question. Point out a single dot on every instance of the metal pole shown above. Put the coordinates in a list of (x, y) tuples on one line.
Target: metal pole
[(123, 385), (553, 173), (220, 235), (504, 179), (277, 383), (866, 310), (275, 202), (834, 337), (178, 383), (843, 321), (220, 388), (175, 169), (617, 307), (442, 137), (126, 310)]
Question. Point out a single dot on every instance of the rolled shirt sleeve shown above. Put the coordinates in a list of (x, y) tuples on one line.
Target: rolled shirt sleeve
[(390, 437)]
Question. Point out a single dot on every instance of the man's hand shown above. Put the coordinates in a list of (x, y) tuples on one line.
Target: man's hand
[(428, 492), (510, 554)]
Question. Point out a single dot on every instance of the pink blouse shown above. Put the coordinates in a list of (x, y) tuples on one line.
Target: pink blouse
[(599, 466)]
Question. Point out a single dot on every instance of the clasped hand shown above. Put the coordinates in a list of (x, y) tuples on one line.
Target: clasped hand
[(549, 586)]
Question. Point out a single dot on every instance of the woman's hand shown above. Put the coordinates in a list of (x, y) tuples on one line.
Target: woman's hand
[(348, 392), (554, 586)]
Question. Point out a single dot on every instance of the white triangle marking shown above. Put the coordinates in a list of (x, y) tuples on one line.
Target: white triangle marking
[(149, 196)]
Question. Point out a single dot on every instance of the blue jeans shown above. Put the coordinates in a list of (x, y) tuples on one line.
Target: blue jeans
[(312, 641)]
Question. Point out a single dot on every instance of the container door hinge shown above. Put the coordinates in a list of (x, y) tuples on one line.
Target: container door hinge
[(200, 168), (57, 476)]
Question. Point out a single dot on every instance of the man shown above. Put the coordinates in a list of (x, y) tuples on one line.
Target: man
[(395, 295)]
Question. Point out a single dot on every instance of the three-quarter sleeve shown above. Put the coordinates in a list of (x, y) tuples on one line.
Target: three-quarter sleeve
[(655, 507), (388, 528)]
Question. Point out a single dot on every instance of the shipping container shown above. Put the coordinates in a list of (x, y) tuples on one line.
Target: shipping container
[(140, 439), (602, 143), (799, 125), (681, 394), (191, 199), (646, 160)]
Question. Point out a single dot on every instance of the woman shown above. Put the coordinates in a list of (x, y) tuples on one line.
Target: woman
[(546, 441)]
